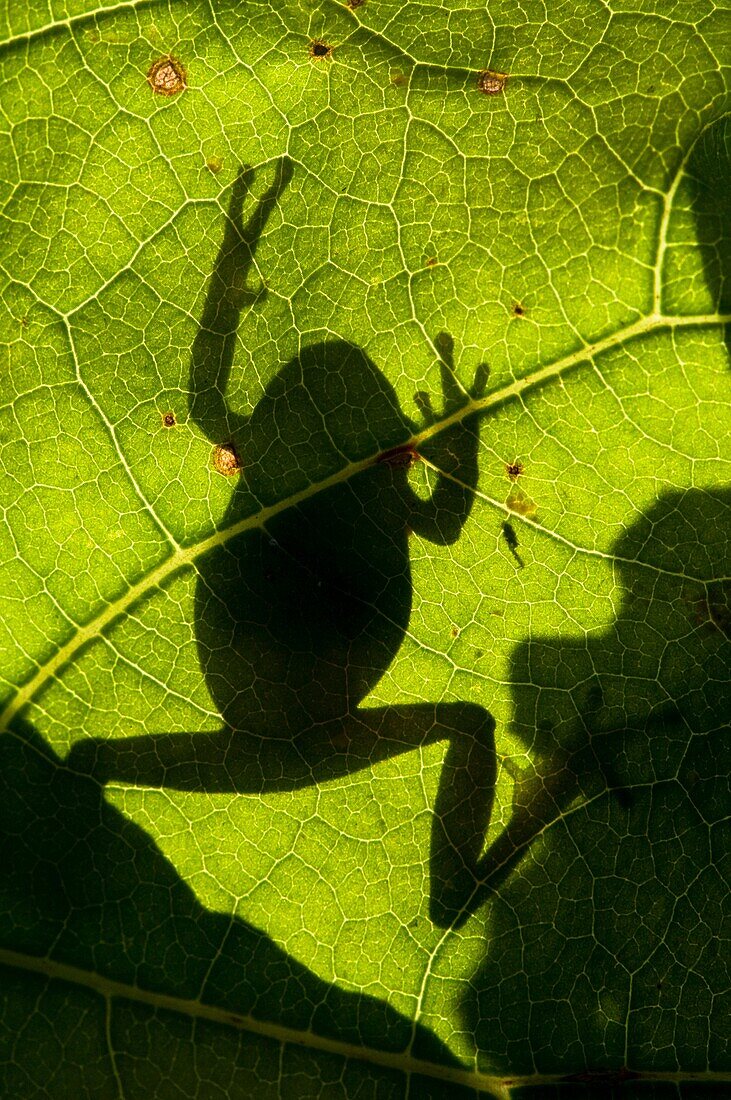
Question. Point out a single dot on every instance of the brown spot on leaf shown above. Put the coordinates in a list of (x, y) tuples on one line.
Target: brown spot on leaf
[(398, 79), (514, 469), (520, 503), (491, 82), (226, 460), (455, 632), (431, 261), (319, 51), (166, 76), (214, 164), (400, 457), (169, 420), (353, 4), (518, 309)]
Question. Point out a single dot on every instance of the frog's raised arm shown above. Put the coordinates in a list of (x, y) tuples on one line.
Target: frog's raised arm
[(227, 294), (442, 516)]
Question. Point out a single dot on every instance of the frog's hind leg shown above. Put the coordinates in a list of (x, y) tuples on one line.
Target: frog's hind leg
[(461, 812), (466, 787), (302, 753), (215, 761)]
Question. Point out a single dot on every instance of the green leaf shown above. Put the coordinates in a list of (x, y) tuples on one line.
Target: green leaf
[(366, 616)]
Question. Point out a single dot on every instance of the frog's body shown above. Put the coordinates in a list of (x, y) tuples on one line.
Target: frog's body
[(315, 603), (313, 606)]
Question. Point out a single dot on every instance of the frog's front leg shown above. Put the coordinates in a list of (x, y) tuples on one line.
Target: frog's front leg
[(226, 295), (442, 517)]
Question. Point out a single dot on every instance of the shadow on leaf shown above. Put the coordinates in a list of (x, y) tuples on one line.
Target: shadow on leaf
[(85, 886), (299, 617), (605, 886), (709, 174)]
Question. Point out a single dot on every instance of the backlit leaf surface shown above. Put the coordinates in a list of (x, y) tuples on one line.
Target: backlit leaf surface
[(255, 725)]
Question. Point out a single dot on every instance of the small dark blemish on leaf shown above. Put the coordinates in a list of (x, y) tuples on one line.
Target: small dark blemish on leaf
[(512, 540), (518, 309), (510, 536), (398, 79), (431, 261), (400, 457), (169, 420), (226, 460), (514, 469), (491, 82), (214, 164), (166, 76), (455, 632), (320, 50), (353, 4)]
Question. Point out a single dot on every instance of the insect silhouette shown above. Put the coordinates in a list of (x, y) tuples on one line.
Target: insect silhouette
[(298, 617)]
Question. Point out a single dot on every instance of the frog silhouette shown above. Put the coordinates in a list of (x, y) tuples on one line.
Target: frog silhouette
[(636, 706), (302, 611)]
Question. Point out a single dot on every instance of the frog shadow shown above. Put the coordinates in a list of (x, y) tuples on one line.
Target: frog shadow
[(301, 611), (636, 705)]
